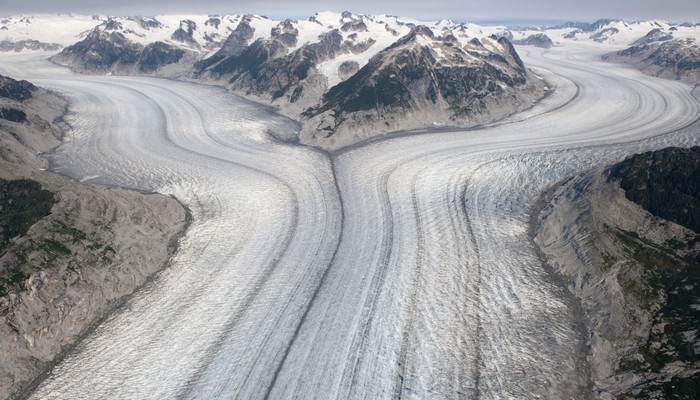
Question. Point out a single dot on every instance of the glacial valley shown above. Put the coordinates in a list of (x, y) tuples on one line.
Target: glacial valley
[(391, 266)]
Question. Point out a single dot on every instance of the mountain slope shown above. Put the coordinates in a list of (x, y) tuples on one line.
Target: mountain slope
[(68, 252), (102, 52), (423, 78), (636, 274), (663, 57), (345, 76), (349, 77)]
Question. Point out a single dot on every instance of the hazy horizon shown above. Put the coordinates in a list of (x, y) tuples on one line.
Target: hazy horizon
[(498, 11)]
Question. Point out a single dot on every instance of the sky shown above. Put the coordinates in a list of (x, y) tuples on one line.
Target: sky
[(456, 10)]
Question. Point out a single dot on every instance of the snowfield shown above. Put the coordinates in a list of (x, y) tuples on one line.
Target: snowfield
[(401, 267)]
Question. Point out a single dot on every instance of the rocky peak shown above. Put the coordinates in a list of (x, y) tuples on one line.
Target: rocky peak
[(112, 25), (184, 33), (422, 30), (654, 35), (537, 40), (421, 71), (147, 23), (286, 33), (604, 34), (234, 46), (103, 51), (213, 21), (674, 59)]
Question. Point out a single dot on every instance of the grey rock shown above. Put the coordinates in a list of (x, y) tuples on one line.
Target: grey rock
[(348, 69), (604, 34), (629, 269), (537, 40), (102, 52), (29, 44), (16, 90), (184, 33), (674, 59), (234, 46), (654, 35), (156, 55), (147, 23)]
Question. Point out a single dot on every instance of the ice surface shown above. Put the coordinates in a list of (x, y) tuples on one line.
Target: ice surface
[(401, 269)]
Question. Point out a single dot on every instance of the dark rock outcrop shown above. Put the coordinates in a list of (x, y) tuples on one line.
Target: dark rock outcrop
[(348, 69), (654, 35), (22, 203), (12, 114), (604, 34), (666, 183), (674, 59), (183, 34), (102, 52), (537, 40), (29, 44), (16, 90), (156, 55), (147, 23)]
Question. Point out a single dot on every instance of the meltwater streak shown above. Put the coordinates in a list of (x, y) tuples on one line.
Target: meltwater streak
[(434, 290)]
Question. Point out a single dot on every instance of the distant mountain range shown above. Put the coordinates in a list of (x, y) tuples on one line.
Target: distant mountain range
[(347, 77)]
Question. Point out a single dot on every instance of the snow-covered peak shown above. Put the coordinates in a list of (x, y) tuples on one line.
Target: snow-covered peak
[(63, 29), (613, 32), (190, 31)]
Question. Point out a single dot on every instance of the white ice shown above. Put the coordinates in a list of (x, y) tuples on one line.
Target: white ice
[(396, 268)]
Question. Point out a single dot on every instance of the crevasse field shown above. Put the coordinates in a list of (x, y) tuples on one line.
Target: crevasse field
[(400, 267)]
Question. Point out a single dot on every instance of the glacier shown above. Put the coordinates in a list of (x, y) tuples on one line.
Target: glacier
[(400, 267)]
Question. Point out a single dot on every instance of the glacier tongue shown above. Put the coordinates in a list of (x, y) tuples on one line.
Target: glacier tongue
[(397, 268)]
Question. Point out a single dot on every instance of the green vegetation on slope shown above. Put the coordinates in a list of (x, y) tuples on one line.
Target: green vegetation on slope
[(665, 182), (22, 203)]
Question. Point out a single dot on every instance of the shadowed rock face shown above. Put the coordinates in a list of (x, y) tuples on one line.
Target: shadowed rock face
[(666, 183), (103, 52), (15, 90), (184, 33), (156, 55), (674, 59), (100, 52), (12, 114), (537, 40)]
